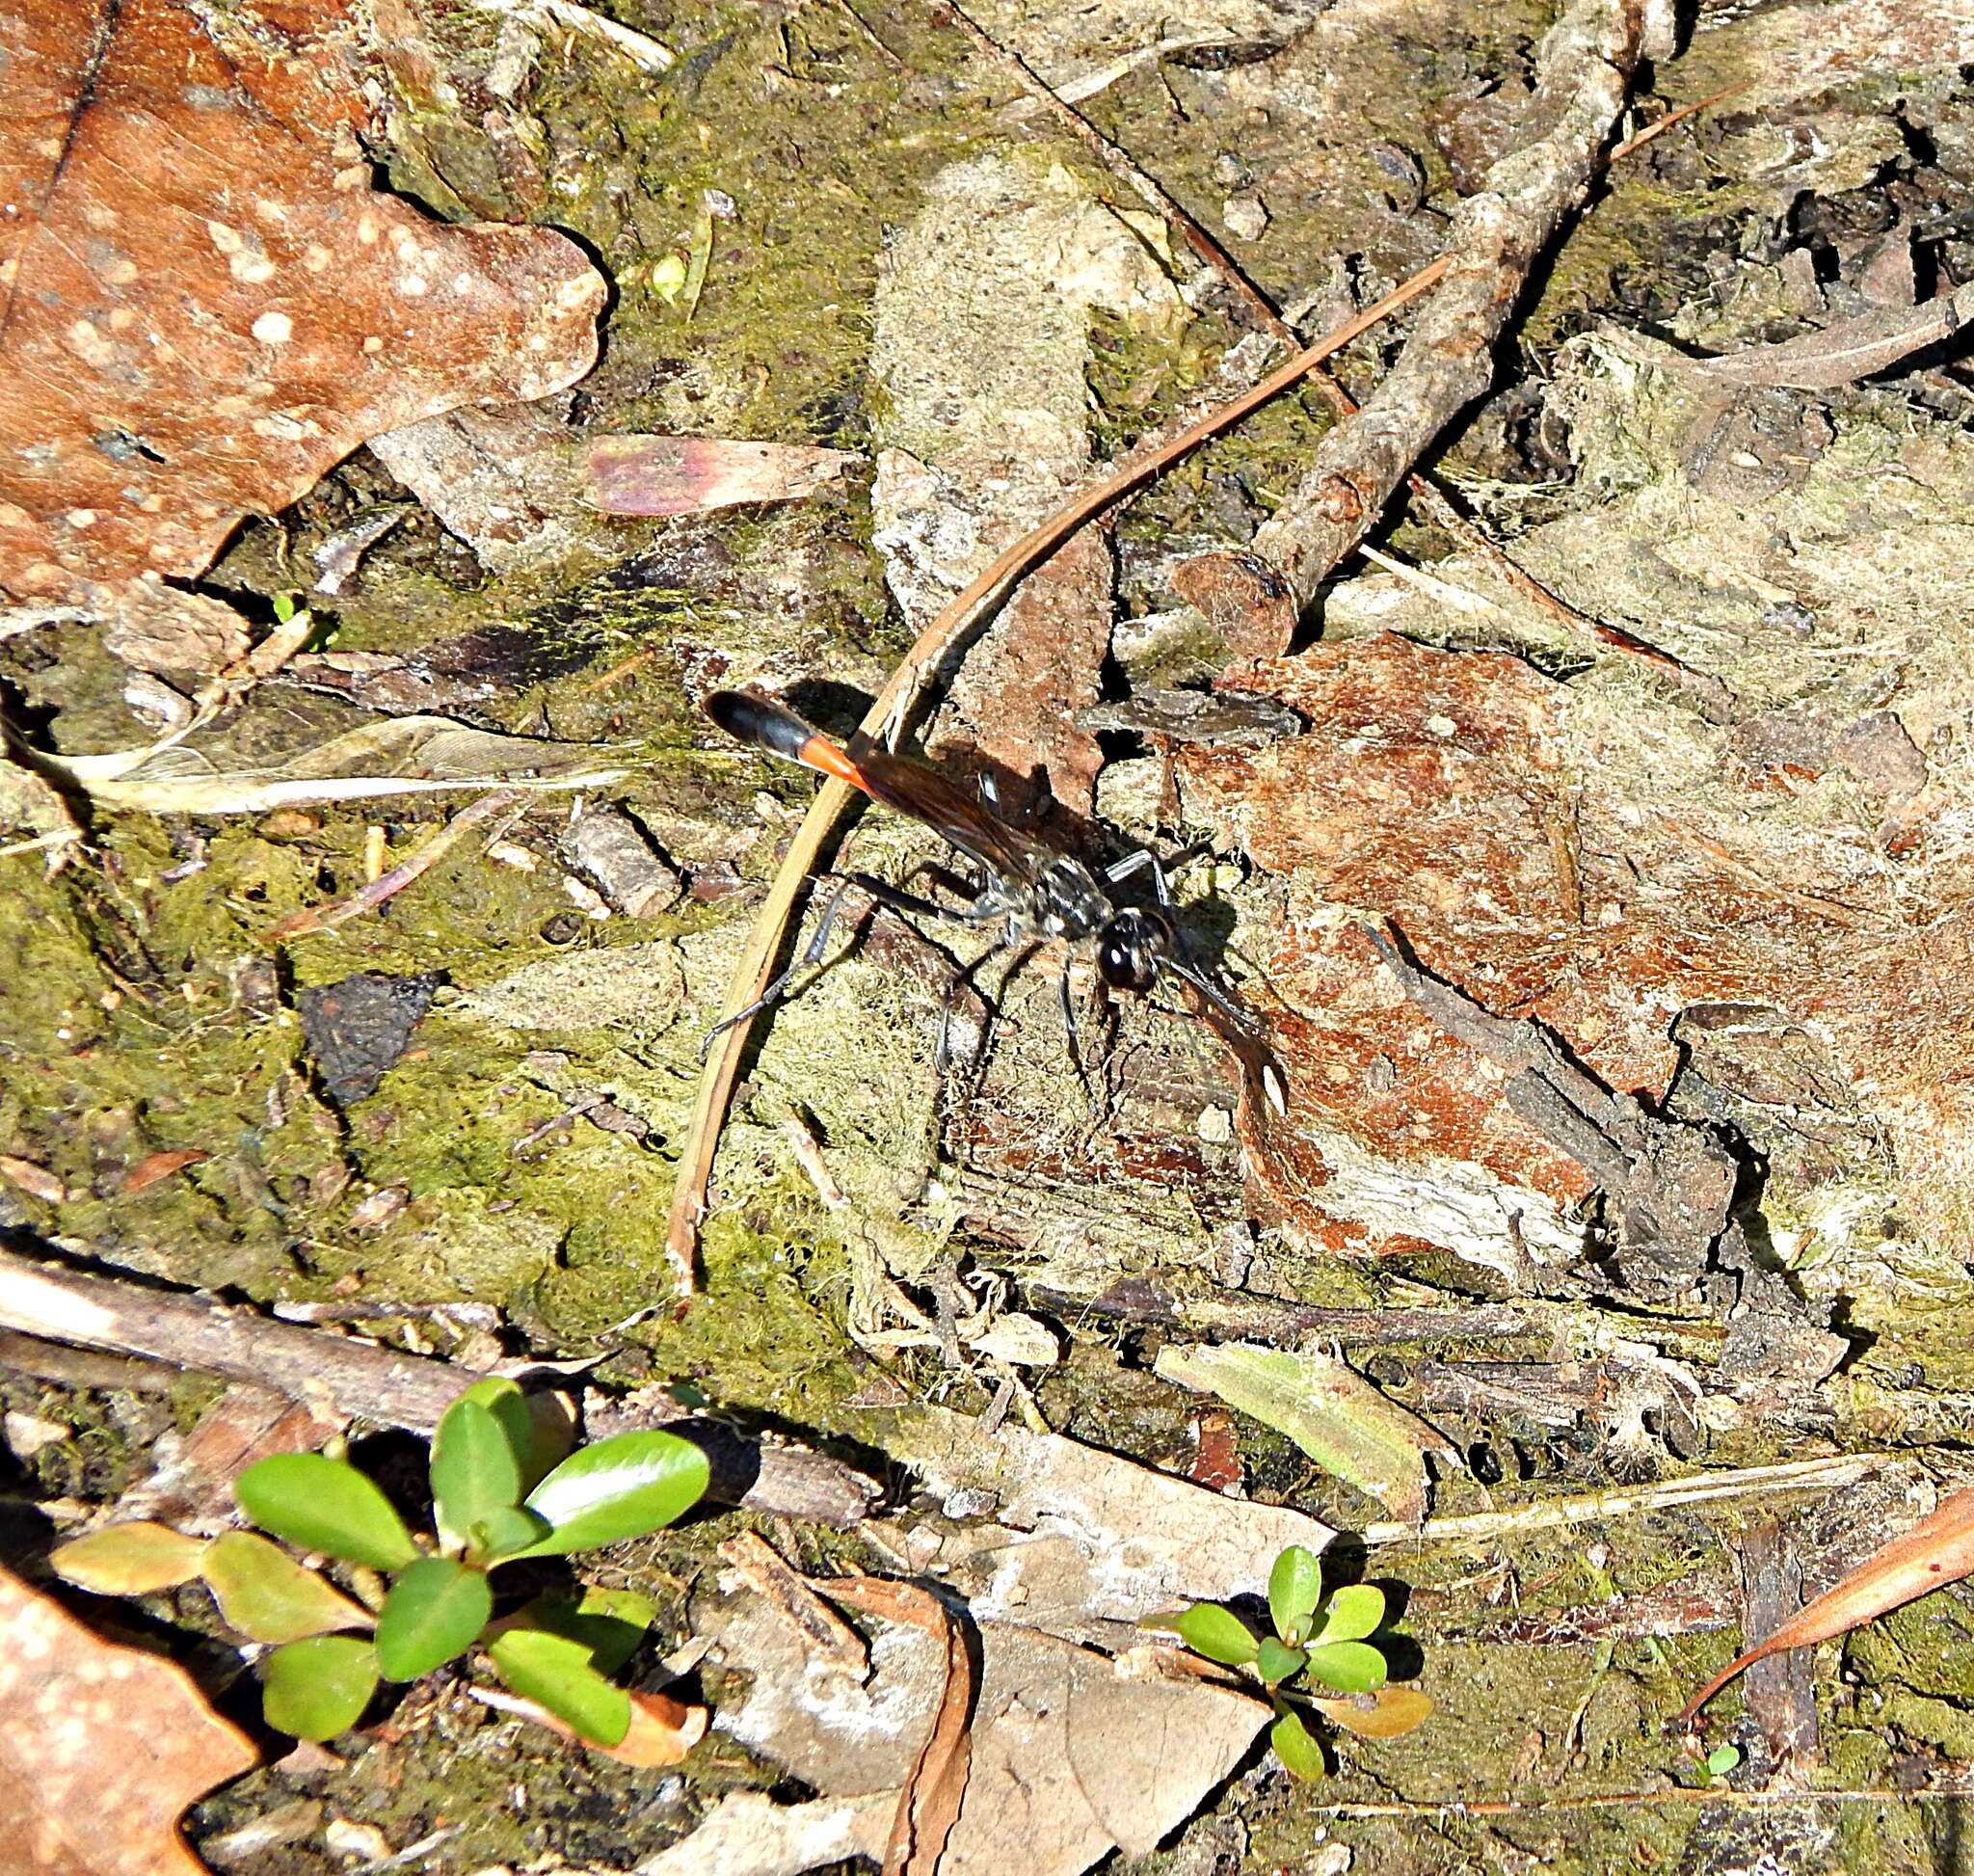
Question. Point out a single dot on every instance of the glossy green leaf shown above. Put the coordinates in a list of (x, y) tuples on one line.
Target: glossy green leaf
[(318, 1688), (1277, 1661), (1349, 1666), (1296, 1748), (323, 1504), (1355, 1612), (434, 1611), (618, 1488), (1723, 1759), (1213, 1630), (540, 1428), (1294, 1589), (475, 1471), (608, 1623), (501, 1534), (130, 1559), (557, 1671), (265, 1593)]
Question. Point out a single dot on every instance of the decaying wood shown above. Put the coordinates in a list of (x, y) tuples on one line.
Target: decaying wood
[(190, 1331), (1781, 1688), (1178, 1300), (56, 1361), (1669, 1185), (357, 1380)]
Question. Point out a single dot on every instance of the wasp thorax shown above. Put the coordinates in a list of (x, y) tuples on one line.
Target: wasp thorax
[(1131, 949)]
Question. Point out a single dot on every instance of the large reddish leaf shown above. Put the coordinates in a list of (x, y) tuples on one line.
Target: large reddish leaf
[(204, 303), (103, 1749)]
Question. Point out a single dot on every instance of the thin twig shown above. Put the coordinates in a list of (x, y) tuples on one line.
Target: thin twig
[(1640, 139), (1593, 1507), (1673, 1794), (968, 611), (368, 898), (1585, 68)]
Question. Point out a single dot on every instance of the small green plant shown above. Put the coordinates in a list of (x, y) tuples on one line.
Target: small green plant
[(505, 1485), (1319, 1643)]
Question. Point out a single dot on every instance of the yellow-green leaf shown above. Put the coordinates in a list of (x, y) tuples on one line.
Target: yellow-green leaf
[(1353, 1613), (475, 1471), (130, 1559), (618, 1488), (557, 1671), (266, 1595), (1296, 1748)]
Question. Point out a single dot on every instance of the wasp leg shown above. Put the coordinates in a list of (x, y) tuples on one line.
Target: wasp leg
[(883, 893), (1136, 863)]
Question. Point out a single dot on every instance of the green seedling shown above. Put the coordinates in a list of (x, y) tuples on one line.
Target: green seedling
[(505, 1485), (1322, 1658)]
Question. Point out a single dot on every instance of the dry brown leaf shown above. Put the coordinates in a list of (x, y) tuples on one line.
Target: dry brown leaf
[(408, 755), (1074, 1754), (833, 1645), (1387, 1714), (747, 1834), (1841, 354), (662, 1731), (103, 1749), (1937, 1550), (153, 1166), (929, 1806), (208, 305), (1153, 1538), (158, 628), (682, 475)]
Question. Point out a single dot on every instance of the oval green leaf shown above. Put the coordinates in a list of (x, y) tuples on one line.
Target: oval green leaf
[(1296, 1748), (1213, 1630), (130, 1559), (618, 1488), (318, 1688), (608, 1623), (318, 1503), (540, 1428), (475, 1471), (1294, 1589), (265, 1593), (557, 1671), (1277, 1661), (434, 1611), (502, 1533), (1355, 1612), (1349, 1666)]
